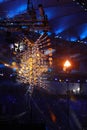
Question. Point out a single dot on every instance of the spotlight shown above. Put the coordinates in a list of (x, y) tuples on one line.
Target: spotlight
[(78, 80)]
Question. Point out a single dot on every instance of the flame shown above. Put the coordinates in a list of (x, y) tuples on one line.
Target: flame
[(67, 64)]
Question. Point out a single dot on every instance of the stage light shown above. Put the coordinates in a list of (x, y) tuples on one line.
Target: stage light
[(67, 80), (78, 80), (1, 74), (56, 79), (6, 65), (60, 80)]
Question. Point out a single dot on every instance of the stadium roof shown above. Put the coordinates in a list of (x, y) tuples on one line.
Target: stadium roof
[(67, 18)]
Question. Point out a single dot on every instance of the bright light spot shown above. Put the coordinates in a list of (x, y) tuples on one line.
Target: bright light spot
[(60, 30), (60, 80), (47, 52), (32, 65), (11, 46), (56, 36), (78, 89), (73, 39), (14, 69), (78, 80), (38, 54), (85, 9), (56, 79), (67, 64), (1, 74), (41, 32), (66, 80), (13, 63), (74, 90), (83, 31), (6, 65), (49, 33), (24, 27)]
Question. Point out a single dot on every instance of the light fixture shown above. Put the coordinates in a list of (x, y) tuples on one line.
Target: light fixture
[(33, 64)]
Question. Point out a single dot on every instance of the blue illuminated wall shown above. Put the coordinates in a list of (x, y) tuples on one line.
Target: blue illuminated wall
[(66, 22), (83, 31), (17, 11), (11, 8), (1, 1)]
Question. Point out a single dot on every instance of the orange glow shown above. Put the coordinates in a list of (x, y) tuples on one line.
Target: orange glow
[(38, 54), (67, 64), (13, 63), (50, 59), (50, 62), (53, 116), (50, 54), (49, 44), (50, 49)]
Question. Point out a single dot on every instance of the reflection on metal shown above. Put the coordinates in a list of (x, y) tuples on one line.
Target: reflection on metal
[(33, 65)]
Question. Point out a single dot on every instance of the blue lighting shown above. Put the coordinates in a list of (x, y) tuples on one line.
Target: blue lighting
[(63, 24), (73, 39), (24, 27), (49, 33), (49, 70), (82, 31), (41, 32), (1, 1), (84, 34), (17, 11), (68, 38), (51, 12), (60, 30), (14, 69), (2, 28), (1, 66)]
